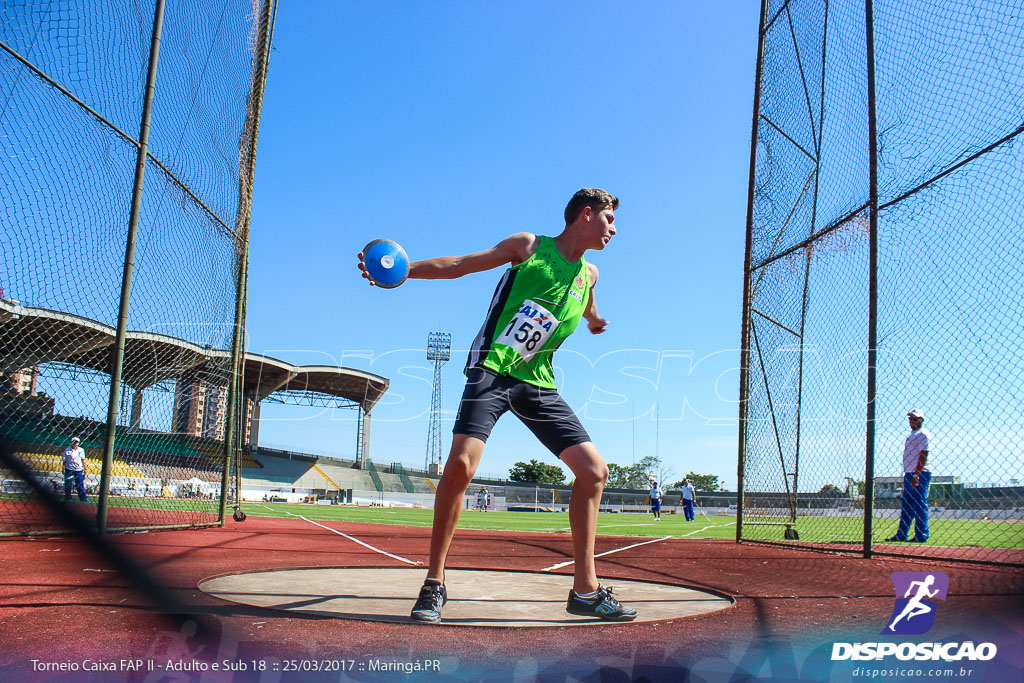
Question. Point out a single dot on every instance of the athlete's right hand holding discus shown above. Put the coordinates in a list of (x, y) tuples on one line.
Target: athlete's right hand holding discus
[(384, 263)]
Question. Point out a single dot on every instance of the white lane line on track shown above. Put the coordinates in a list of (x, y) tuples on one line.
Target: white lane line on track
[(713, 526), (599, 526), (607, 552), (356, 540)]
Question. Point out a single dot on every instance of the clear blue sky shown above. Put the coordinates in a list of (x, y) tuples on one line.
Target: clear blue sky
[(449, 126)]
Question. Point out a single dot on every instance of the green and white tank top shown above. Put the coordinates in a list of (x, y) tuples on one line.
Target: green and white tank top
[(536, 305)]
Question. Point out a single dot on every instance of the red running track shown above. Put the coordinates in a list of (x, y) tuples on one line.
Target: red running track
[(60, 601)]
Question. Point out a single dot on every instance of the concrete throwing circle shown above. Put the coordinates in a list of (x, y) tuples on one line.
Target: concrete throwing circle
[(475, 597)]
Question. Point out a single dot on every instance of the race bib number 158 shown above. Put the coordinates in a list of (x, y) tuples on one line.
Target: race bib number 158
[(531, 327)]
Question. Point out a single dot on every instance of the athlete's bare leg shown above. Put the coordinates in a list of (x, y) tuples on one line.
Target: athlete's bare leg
[(591, 474), (458, 473)]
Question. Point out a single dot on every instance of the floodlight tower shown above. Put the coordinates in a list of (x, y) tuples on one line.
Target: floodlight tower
[(439, 350)]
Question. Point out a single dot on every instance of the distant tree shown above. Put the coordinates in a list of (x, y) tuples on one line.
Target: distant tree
[(618, 476), (664, 476), (831, 490), (701, 482), (636, 476), (641, 473), (534, 472)]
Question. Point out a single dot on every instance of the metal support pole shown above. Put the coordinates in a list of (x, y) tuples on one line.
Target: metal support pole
[(235, 386), (747, 261), (117, 355), (807, 264), (360, 412), (244, 444), (869, 456), (364, 438), (439, 350)]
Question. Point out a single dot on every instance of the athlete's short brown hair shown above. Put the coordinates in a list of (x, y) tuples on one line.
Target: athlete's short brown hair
[(595, 198)]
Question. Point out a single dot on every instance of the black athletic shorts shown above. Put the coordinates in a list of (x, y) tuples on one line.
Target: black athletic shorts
[(489, 395)]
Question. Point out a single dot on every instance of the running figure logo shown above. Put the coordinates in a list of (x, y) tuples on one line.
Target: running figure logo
[(914, 612)]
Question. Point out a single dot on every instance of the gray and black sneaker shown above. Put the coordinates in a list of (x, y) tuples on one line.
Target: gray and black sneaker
[(602, 606), (428, 605)]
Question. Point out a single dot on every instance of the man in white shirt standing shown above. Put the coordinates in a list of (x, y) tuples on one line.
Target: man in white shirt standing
[(689, 497), (916, 477), (655, 495), (74, 471)]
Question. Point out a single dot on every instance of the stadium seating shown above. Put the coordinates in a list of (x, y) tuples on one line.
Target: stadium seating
[(350, 478), (283, 472)]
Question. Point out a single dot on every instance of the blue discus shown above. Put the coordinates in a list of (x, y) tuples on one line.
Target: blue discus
[(386, 263)]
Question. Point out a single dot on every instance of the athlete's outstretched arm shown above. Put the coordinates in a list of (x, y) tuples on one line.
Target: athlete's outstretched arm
[(514, 249), (594, 320)]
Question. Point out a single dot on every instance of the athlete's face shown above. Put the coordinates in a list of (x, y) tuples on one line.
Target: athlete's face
[(602, 227)]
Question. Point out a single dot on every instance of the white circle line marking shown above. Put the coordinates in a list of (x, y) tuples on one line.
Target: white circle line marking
[(607, 552), (356, 540)]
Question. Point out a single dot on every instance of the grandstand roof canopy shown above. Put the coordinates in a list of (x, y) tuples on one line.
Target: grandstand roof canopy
[(31, 336)]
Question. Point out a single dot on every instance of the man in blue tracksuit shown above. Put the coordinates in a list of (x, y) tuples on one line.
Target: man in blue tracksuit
[(916, 478), (656, 497), (74, 471), (689, 497)]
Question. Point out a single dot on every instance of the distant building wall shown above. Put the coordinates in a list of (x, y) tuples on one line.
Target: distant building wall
[(200, 409)]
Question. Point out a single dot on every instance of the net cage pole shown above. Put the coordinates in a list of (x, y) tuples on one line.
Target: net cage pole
[(747, 262), (795, 499), (807, 272), (869, 455), (117, 354), (242, 440), (235, 382), (236, 409)]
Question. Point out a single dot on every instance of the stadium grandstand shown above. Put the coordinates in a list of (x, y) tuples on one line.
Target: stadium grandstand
[(183, 460)]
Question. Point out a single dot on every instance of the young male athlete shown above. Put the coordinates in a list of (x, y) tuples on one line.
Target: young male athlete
[(536, 305)]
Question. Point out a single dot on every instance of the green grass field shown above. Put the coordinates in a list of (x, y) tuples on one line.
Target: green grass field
[(961, 533), (550, 522), (944, 532)]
